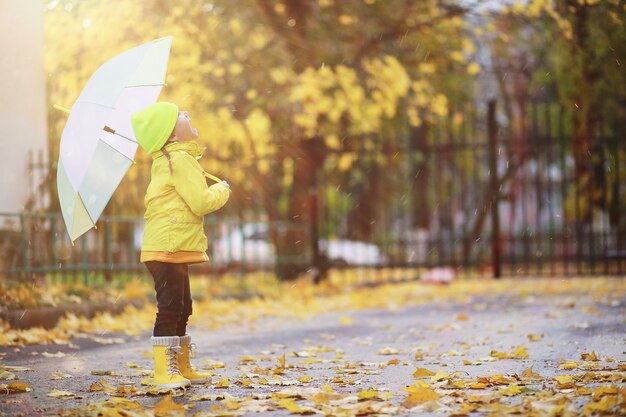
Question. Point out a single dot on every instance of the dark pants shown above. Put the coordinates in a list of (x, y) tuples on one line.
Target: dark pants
[(171, 282)]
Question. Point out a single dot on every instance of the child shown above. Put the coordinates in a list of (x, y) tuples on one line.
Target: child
[(177, 200)]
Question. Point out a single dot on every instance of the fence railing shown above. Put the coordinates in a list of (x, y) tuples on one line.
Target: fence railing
[(469, 192)]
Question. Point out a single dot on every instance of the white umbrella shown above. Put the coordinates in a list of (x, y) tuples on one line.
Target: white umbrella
[(98, 143)]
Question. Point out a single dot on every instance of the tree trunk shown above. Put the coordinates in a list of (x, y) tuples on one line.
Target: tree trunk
[(295, 240)]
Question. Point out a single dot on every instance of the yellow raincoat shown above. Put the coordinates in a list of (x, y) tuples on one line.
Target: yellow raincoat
[(176, 203)]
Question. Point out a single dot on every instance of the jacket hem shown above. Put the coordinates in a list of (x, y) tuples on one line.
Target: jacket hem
[(179, 257)]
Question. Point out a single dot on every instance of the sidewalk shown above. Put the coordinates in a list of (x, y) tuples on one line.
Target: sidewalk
[(463, 355)]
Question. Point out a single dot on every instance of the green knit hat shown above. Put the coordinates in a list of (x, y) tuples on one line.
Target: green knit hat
[(154, 125)]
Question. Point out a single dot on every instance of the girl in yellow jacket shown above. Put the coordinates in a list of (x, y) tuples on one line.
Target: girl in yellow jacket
[(177, 200)]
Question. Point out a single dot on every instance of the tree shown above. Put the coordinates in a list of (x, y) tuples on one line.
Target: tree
[(284, 88)]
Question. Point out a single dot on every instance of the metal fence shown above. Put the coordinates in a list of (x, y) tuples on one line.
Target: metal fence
[(472, 192)]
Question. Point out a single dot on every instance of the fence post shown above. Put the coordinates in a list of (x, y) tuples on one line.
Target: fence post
[(494, 189), (23, 245)]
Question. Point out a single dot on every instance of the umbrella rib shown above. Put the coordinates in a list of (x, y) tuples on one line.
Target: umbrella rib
[(144, 85)]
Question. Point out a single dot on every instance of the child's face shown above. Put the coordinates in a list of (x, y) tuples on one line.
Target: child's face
[(183, 131)]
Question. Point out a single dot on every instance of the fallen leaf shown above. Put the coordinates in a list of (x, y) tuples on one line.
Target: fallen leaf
[(564, 381), (419, 395), (439, 376), (14, 387), (60, 375), (101, 373), (211, 364), (223, 383), (53, 355), (422, 373), (62, 394), (589, 356), (291, 405), (388, 351), (367, 394), (7, 376), (604, 390), (529, 374), (168, 408), (511, 390), (520, 353)]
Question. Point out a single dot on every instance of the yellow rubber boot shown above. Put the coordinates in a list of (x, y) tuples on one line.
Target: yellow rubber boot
[(166, 355), (184, 365)]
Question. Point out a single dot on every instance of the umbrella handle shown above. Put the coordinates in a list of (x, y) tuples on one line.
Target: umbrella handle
[(213, 177), (61, 108)]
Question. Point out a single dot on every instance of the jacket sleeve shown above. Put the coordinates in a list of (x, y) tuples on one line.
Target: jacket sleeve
[(190, 184)]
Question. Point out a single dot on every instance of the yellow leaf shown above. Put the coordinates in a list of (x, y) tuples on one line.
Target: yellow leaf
[(420, 395), (511, 390), (564, 381), (419, 356), (306, 379), (367, 394), (422, 373), (478, 385), (393, 362), (62, 394), (7, 376), (15, 387), (232, 405), (167, 407), (386, 396), (499, 355), (589, 356), (291, 405), (59, 375), (245, 382), (211, 364), (222, 384), (604, 390), (346, 320), (534, 337), (388, 351), (439, 376), (529, 374), (476, 398), (501, 380), (569, 365), (95, 387), (53, 355), (520, 353), (605, 406)]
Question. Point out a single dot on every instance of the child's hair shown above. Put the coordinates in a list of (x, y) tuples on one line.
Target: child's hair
[(169, 159)]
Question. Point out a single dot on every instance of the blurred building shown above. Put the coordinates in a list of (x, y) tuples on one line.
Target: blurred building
[(23, 121)]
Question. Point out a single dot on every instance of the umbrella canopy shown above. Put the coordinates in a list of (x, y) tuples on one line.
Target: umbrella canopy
[(98, 143)]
